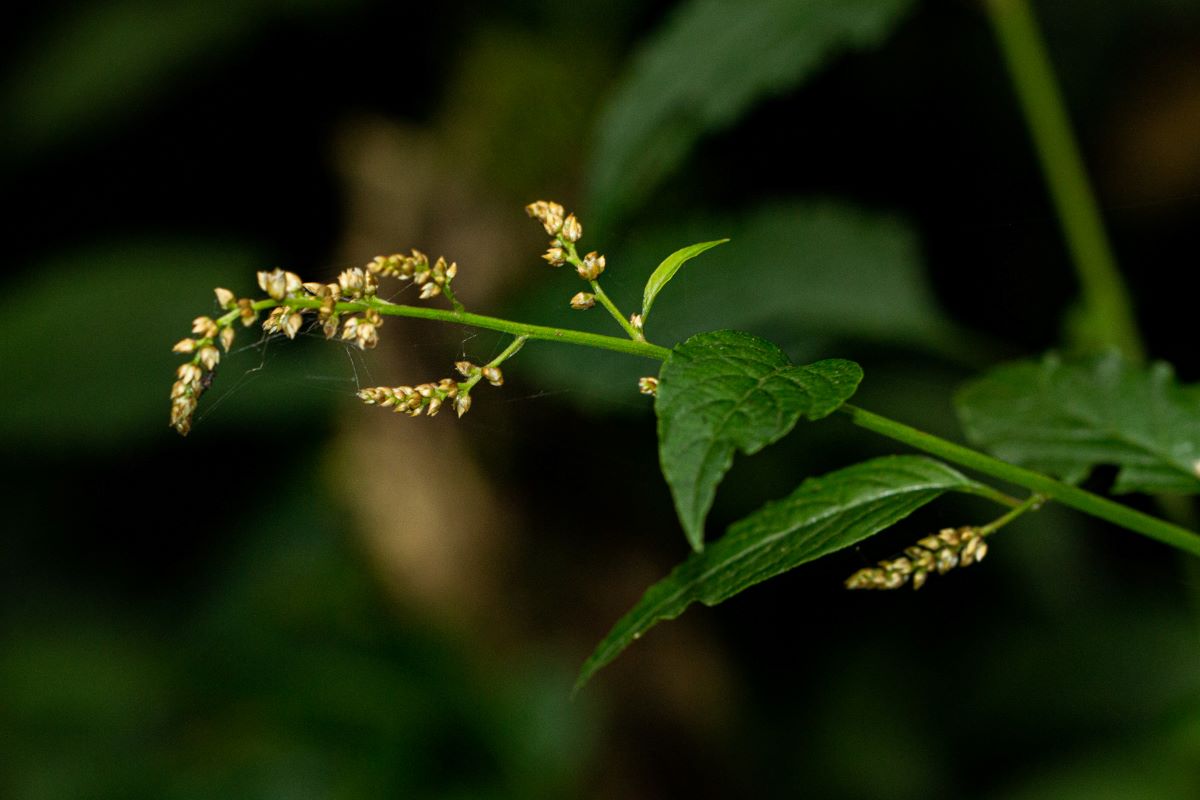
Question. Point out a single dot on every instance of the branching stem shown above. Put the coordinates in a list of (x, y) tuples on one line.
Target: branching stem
[(605, 301), (1043, 485), (1064, 493), (1031, 503), (513, 347)]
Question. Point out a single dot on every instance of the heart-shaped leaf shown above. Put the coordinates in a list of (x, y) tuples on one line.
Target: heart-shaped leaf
[(727, 390), (665, 271), (823, 515)]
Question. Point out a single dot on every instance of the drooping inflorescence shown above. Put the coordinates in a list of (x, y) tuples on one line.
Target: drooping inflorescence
[(950, 548), (430, 397), (290, 303)]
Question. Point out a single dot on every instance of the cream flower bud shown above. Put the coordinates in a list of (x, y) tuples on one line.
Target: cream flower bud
[(493, 375), (352, 282), (225, 298), (209, 357), (189, 373), (291, 324), (184, 346), (246, 311), (275, 283), (366, 336), (204, 327), (583, 301), (591, 267), (547, 213), (571, 229), (462, 404)]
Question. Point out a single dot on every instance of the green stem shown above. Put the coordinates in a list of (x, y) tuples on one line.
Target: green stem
[(1105, 297), (1032, 503), (633, 332), (627, 346), (574, 260), (1066, 494), (449, 292), (513, 347)]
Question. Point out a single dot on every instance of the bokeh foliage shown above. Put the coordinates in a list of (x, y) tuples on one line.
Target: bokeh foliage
[(202, 618)]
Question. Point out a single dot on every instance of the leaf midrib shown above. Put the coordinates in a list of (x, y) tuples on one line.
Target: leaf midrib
[(772, 538)]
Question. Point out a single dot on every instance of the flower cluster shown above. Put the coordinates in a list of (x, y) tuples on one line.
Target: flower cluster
[(193, 377), (432, 278), (287, 316), (950, 548), (430, 397), (412, 400), (566, 231)]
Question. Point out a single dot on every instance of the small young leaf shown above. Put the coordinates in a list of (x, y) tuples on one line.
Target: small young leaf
[(665, 271), (1066, 417), (727, 390), (823, 515)]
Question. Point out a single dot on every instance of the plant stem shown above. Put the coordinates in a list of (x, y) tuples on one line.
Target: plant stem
[(1031, 503), (572, 258), (513, 347), (633, 332), (453, 298), (1105, 297), (567, 335), (1066, 494)]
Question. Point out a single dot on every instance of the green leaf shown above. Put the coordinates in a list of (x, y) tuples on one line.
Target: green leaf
[(726, 390), (703, 70), (1066, 417), (823, 515), (665, 271)]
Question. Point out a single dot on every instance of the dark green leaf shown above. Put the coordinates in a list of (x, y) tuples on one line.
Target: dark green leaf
[(727, 390), (1066, 417), (823, 515), (665, 271), (703, 70)]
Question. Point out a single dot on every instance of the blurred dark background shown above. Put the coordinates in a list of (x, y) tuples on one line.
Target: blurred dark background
[(310, 598)]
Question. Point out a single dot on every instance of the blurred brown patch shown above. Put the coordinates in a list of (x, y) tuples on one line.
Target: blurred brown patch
[(1154, 145)]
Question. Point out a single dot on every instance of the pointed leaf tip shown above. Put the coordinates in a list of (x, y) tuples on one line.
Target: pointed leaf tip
[(823, 515), (665, 271)]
